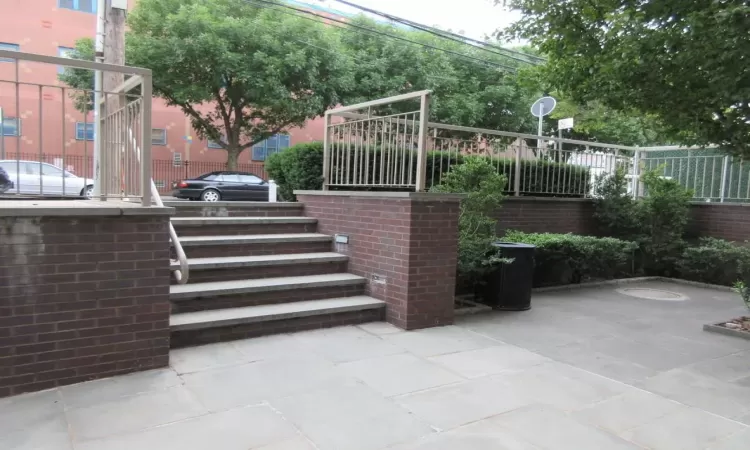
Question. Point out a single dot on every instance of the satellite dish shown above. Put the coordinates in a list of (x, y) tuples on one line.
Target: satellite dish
[(543, 106)]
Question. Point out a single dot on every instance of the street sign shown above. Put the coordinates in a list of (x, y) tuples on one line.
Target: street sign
[(543, 106), (565, 124)]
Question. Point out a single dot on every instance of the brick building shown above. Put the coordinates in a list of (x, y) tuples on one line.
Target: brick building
[(51, 27)]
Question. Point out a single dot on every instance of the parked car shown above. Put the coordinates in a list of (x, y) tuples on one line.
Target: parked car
[(223, 185), (33, 177)]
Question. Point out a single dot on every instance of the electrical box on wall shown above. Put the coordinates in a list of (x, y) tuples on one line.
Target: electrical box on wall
[(341, 238), (119, 4)]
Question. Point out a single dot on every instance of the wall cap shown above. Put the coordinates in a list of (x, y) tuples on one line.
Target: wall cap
[(423, 196), (738, 205), (509, 198), (68, 208)]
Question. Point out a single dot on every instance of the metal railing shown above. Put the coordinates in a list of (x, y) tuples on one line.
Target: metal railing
[(398, 149), (40, 118)]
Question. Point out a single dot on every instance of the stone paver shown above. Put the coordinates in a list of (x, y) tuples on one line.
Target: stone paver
[(586, 369)]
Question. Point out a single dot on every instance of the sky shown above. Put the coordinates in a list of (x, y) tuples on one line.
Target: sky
[(476, 18)]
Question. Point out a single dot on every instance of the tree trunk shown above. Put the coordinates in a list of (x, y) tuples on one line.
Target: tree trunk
[(233, 154)]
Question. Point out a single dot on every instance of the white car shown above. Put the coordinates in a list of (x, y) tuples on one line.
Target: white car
[(33, 177)]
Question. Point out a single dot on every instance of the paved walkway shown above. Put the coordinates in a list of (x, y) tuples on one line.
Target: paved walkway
[(583, 370)]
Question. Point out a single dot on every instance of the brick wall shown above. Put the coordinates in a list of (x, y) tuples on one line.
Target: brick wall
[(729, 221), (405, 245), (546, 215), (81, 298)]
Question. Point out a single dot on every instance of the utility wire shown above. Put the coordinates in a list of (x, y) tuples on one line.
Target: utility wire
[(326, 19), (486, 46)]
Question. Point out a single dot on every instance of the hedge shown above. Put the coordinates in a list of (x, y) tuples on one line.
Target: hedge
[(715, 261), (568, 258), (301, 167)]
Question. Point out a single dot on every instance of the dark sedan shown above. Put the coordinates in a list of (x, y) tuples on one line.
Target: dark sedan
[(223, 185)]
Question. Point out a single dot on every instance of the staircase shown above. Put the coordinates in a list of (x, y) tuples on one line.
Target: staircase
[(259, 268)]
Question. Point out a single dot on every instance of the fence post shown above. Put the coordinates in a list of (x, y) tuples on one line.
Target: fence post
[(724, 169), (636, 173), (146, 92), (326, 151), (517, 171), (424, 117)]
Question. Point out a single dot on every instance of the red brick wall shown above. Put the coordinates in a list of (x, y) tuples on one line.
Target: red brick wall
[(81, 298), (546, 215), (720, 220), (406, 247)]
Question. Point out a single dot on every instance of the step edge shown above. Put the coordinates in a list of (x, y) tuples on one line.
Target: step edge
[(264, 263), (292, 314), (186, 242), (260, 220), (180, 296), (262, 205)]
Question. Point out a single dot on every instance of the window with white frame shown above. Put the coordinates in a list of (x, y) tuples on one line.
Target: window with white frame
[(158, 136), (84, 131), (10, 47), (177, 159), (63, 52), (274, 144), (88, 6), (11, 126), (214, 144)]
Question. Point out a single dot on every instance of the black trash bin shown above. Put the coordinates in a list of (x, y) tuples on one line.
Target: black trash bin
[(509, 286)]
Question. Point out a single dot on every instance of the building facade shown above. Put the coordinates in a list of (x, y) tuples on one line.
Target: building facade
[(40, 100)]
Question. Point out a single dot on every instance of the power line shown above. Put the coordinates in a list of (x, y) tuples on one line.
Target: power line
[(325, 20), (444, 33)]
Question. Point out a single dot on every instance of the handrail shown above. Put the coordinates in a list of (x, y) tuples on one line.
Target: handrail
[(183, 273)]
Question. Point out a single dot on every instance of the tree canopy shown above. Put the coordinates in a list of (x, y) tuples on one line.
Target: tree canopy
[(239, 72), (684, 61)]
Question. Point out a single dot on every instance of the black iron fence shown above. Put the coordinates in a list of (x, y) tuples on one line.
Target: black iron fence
[(164, 172)]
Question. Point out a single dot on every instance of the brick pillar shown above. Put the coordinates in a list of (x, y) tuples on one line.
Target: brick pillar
[(404, 244), (84, 292)]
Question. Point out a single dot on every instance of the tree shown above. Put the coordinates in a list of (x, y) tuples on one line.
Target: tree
[(239, 72), (81, 80), (684, 61), (465, 92)]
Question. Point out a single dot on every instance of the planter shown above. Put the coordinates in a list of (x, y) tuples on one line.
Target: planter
[(739, 327)]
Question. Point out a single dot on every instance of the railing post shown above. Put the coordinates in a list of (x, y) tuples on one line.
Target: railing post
[(517, 170), (326, 151), (724, 170), (636, 173), (146, 93), (424, 118)]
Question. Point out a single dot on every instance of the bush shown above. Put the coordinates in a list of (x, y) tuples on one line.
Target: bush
[(715, 261), (292, 169), (298, 167), (567, 258), (483, 187)]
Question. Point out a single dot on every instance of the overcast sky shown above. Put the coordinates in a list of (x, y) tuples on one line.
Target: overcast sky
[(475, 17)]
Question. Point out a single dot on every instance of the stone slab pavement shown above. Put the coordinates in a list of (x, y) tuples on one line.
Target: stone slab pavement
[(585, 369)]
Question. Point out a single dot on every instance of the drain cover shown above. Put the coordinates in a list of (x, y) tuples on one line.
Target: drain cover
[(653, 294)]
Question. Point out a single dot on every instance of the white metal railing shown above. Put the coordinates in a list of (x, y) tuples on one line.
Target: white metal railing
[(397, 148), (38, 121)]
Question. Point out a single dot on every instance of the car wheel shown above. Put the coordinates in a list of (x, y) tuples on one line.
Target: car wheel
[(88, 191), (210, 195)]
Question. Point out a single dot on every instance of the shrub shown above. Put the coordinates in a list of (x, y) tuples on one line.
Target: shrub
[(483, 187), (615, 211), (715, 261), (298, 167), (292, 170), (568, 258)]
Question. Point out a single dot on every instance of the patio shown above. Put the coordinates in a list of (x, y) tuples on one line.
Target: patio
[(586, 369)]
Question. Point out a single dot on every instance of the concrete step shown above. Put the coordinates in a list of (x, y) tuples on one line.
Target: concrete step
[(255, 244), (201, 226), (238, 293), (231, 209), (236, 323), (226, 268)]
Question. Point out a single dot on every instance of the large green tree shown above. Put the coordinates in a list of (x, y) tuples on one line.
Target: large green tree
[(239, 72), (685, 61)]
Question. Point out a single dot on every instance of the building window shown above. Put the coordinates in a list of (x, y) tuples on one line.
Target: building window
[(11, 126), (274, 144), (213, 144), (9, 47), (84, 131), (63, 52), (177, 159), (158, 136), (88, 6)]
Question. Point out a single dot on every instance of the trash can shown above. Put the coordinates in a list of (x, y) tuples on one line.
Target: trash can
[(508, 287)]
